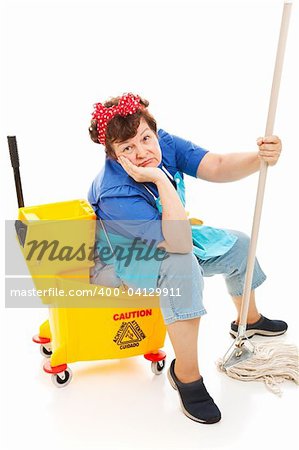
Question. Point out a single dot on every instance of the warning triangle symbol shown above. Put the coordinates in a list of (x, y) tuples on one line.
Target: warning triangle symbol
[(129, 335)]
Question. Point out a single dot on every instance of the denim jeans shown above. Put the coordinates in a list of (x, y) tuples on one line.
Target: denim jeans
[(181, 279)]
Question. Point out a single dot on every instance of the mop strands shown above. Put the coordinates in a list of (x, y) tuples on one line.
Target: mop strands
[(272, 362)]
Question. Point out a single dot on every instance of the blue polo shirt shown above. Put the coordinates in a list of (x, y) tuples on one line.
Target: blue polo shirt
[(126, 204)]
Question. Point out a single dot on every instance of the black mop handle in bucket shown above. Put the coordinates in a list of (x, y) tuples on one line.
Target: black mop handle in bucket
[(14, 158), (20, 227)]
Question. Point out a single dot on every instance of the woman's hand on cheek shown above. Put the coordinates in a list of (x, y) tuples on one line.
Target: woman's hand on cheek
[(140, 174)]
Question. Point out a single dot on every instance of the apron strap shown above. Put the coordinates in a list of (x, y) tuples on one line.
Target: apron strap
[(150, 192), (107, 237), (166, 173), (111, 248)]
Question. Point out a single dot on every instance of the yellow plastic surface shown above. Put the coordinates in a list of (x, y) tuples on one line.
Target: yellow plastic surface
[(85, 334), (101, 327), (110, 326), (70, 210), (194, 221), (59, 238), (44, 330)]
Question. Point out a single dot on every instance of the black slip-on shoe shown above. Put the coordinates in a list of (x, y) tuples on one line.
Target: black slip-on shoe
[(263, 327), (196, 402)]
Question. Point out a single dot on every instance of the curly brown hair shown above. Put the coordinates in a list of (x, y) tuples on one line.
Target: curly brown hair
[(120, 128)]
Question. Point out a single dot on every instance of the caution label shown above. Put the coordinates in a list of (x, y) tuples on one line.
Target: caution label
[(129, 335)]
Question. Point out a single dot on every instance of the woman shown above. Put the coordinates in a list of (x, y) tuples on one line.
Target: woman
[(139, 196)]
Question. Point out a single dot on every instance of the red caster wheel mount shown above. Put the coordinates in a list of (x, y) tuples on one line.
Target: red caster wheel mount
[(45, 345), (158, 361), (61, 375)]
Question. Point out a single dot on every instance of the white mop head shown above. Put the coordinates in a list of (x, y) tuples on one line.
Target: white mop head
[(273, 362)]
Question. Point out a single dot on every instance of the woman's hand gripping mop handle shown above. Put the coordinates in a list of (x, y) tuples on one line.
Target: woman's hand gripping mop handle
[(237, 355)]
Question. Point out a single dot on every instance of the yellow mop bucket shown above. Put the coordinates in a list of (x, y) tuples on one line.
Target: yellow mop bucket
[(83, 323), (86, 321)]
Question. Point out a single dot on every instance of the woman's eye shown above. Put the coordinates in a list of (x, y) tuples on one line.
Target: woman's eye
[(129, 148)]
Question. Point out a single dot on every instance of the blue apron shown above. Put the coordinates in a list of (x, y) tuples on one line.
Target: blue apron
[(143, 272), (137, 268)]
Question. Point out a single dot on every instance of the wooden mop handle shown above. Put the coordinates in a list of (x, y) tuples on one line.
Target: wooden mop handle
[(264, 166)]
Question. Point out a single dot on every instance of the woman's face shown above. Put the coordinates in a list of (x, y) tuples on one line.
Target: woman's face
[(143, 149)]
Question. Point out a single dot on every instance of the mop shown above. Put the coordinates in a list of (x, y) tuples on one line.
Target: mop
[(274, 361)]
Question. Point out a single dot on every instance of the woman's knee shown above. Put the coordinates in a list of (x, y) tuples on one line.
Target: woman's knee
[(240, 248), (181, 269), (180, 263), (239, 255)]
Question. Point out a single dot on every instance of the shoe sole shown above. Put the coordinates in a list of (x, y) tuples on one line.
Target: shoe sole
[(251, 333), (196, 419)]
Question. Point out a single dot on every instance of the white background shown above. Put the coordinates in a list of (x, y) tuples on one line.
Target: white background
[(206, 68)]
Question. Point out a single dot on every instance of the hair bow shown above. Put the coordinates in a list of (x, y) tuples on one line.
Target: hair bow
[(128, 104)]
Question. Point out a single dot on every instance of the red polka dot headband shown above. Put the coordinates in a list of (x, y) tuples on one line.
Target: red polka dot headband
[(128, 104)]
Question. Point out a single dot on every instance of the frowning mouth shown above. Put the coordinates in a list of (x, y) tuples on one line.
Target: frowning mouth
[(145, 162)]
